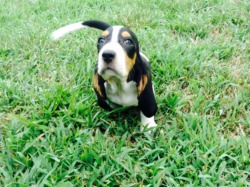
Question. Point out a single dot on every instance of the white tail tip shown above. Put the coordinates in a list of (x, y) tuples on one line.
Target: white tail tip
[(66, 29)]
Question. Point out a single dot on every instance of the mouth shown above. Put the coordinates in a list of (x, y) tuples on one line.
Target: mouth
[(108, 71)]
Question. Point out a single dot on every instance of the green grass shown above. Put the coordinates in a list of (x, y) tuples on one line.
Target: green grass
[(52, 133)]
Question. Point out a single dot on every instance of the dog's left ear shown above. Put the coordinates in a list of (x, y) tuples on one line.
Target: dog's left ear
[(146, 99), (147, 103)]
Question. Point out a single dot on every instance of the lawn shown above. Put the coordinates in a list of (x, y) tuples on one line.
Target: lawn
[(53, 133)]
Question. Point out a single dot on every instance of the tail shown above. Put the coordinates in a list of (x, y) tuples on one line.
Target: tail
[(80, 25)]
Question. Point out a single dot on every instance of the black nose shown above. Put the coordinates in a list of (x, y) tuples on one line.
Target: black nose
[(108, 56)]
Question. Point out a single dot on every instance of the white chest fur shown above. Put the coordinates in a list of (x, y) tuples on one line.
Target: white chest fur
[(122, 92)]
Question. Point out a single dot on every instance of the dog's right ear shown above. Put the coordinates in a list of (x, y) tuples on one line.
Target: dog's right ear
[(100, 92), (80, 25)]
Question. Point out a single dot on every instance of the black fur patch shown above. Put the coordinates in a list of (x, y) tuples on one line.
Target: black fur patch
[(97, 24)]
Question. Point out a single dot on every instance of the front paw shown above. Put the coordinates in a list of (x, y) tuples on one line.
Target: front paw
[(147, 123)]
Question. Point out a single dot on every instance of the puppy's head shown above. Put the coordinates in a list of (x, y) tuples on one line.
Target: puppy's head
[(117, 52)]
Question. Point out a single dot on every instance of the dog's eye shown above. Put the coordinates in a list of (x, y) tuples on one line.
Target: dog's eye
[(101, 40), (128, 42)]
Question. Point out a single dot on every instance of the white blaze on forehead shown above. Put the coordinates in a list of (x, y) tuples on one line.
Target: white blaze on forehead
[(115, 33), (119, 63)]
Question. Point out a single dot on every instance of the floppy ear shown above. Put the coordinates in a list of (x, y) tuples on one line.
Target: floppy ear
[(146, 99), (100, 91), (147, 103)]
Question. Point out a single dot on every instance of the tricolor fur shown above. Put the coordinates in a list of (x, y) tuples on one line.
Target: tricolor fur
[(122, 74)]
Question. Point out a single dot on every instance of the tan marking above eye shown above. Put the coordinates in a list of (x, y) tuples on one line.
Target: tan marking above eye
[(125, 34), (105, 33)]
